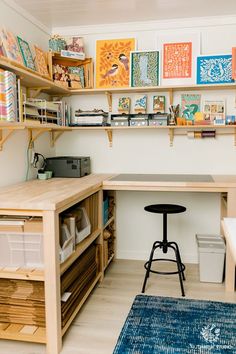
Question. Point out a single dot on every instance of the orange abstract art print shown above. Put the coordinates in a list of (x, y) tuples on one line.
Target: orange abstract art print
[(113, 62), (177, 60)]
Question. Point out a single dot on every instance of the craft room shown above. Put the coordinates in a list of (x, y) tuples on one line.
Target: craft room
[(118, 177)]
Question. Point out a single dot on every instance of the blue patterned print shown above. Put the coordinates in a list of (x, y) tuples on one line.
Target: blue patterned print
[(215, 69)]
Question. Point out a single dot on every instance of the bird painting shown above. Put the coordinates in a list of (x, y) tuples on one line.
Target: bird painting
[(124, 60), (112, 72)]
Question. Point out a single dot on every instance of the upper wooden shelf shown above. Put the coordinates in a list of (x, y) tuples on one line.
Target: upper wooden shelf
[(32, 79), (153, 89)]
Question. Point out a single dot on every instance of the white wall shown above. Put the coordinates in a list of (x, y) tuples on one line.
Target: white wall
[(13, 157), (148, 151)]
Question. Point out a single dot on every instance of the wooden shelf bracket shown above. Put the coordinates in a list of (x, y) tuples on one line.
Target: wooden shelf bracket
[(109, 99), (33, 137), (109, 135), (171, 136), (171, 96), (3, 139), (54, 135)]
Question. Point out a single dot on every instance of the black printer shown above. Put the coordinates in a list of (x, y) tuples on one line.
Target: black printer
[(68, 166)]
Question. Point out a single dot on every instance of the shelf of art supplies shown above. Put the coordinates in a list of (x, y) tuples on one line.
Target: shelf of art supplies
[(32, 79), (170, 89), (25, 333), (174, 130), (21, 273), (34, 131)]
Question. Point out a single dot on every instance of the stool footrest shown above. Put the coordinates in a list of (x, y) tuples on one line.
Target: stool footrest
[(165, 260)]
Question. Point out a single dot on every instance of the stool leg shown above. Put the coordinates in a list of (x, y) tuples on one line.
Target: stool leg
[(177, 248), (179, 269), (148, 268)]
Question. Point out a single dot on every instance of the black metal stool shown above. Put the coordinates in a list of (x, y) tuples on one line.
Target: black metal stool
[(164, 244)]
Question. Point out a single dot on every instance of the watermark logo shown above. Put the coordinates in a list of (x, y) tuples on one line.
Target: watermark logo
[(210, 333)]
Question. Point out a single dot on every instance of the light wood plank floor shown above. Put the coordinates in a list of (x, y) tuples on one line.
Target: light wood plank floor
[(95, 330)]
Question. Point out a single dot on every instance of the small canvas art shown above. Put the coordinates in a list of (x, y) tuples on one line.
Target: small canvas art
[(214, 69), (10, 46), (214, 112), (75, 44), (144, 68), (113, 62), (159, 104), (40, 60), (140, 105), (177, 60), (124, 105), (190, 105), (26, 53)]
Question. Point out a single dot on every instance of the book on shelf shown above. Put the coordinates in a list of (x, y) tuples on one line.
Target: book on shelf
[(72, 55), (8, 96)]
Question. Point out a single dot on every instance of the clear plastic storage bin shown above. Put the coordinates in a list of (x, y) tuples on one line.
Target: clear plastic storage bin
[(21, 249)]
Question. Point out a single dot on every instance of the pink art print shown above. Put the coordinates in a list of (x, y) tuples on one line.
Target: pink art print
[(177, 60)]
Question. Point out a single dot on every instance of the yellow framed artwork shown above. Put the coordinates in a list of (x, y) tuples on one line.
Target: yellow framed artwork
[(112, 62)]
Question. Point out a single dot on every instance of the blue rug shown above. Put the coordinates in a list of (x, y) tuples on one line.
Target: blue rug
[(162, 325)]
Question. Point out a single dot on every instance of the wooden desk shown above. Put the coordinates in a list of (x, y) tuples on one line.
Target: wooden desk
[(229, 227), (49, 198), (226, 185)]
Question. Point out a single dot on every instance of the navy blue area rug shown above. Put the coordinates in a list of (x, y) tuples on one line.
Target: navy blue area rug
[(163, 325)]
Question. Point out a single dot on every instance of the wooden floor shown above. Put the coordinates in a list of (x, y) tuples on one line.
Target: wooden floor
[(96, 328)]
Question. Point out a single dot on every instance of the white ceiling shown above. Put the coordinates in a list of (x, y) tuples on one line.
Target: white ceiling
[(60, 13)]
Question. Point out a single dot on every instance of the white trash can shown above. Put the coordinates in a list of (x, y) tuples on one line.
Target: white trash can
[(211, 253)]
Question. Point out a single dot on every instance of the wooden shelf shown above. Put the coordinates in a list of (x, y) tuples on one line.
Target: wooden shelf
[(80, 248), (22, 273), (109, 222), (152, 89), (172, 130), (21, 332), (32, 79), (78, 307)]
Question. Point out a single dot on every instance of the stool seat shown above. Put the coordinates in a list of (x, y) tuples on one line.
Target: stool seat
[(164, 244), (165, 208)]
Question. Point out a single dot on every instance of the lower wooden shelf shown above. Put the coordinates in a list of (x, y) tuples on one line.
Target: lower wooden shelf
[(80, 248), (22, 274), (22, 332), (78, 307)]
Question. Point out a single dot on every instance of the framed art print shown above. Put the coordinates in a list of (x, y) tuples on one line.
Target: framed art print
[(26, 54), (234, 63), (10, 46), (144, 68), (113, 62), (214, 69), (41, 63), (214, 112), (190, 104), (178, 58)]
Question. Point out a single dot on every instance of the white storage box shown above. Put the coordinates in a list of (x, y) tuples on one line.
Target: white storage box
[(66, 243), (211, 260), (21, 249), (85, 227)]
